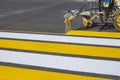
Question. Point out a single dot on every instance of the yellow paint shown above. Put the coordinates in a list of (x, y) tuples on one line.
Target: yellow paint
[(96, 34), (12, 73), (117, 2), (61, 48)]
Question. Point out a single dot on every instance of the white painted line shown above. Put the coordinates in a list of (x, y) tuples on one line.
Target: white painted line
[(66, 39), (60, 62)]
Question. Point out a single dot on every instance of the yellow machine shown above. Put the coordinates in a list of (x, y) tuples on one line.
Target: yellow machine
[(106, 9)]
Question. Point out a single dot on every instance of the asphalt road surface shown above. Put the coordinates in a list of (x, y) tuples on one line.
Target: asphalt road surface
[(40, 15)]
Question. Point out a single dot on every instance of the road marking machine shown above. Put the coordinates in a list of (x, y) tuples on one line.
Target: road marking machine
[(102, 9)]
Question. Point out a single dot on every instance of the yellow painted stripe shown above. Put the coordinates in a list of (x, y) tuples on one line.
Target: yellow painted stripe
[(96, 34), (12, 73), (62, 48)]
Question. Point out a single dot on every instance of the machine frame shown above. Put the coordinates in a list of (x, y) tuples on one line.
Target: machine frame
[(106, 9)]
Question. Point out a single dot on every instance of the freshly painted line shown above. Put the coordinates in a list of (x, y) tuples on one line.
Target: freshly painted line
[(103, 67), (95, 51), (30, 74), (62, 54), (93, 33), (65, 39)]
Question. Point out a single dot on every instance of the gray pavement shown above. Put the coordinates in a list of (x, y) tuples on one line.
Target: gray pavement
[(40, 15)]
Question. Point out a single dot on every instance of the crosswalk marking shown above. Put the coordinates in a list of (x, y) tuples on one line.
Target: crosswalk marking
[(61, 48), (93, 33), (64, 53), (62, 63), (64, 39), (28, 74)]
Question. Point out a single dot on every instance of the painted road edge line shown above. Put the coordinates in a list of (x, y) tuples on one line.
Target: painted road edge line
[(63, 39), (103, 67)]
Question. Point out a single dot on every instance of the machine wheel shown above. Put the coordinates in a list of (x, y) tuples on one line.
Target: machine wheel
[(87, 22), (116, 22)]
